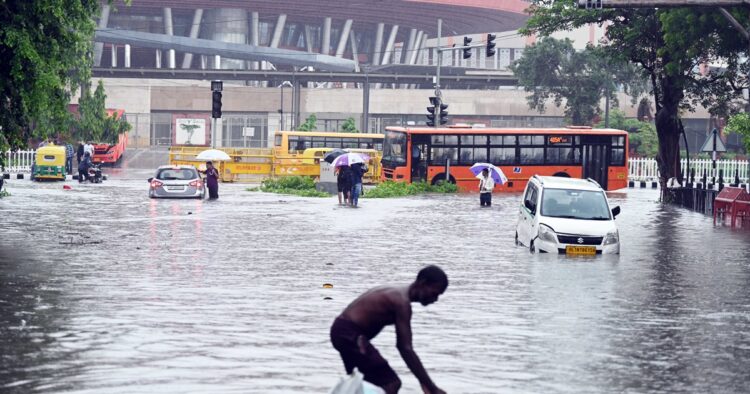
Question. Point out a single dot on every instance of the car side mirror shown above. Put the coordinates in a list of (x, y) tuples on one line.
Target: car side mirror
[(615, 211), (150, 179)]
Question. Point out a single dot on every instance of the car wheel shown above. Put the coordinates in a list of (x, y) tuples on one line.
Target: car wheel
[(532, 249)]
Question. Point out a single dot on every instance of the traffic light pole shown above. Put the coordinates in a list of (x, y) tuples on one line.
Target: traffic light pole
[(437, 72)]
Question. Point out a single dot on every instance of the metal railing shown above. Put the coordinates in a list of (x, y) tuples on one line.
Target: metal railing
[(643, 169), (18, 161)]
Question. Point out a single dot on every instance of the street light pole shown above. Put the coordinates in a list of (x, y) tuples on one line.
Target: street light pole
[(281, 111)]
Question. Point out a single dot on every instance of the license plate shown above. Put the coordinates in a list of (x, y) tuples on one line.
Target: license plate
[(175, 188), (583, 250)]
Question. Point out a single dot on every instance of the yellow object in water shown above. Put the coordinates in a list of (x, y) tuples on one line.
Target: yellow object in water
[(327, 286)]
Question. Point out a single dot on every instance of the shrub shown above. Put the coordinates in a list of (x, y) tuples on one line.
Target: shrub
[(295, 185), (390, 189)]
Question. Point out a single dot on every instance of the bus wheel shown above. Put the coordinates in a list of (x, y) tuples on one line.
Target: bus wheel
[(562, 174), (532, 249), (441, 178)]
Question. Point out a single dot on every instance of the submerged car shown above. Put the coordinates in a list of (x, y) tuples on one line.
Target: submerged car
[(567, 215), (182, 181)]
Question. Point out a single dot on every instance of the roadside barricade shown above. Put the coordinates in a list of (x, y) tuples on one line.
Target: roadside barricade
[(247, 164)]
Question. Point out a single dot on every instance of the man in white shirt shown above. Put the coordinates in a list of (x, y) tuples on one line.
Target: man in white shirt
[(486, 184), (88, 148)]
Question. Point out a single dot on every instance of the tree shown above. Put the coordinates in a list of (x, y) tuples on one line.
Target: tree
[(310, 124), (642, 135), (670, 45), (740, 124), (93, 123), (554, 69), (350, 126), (45, 51)]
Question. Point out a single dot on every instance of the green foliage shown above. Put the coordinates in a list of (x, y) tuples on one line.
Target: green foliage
[(4, 193), (350, 126), (553, 69), (297, 185), (45, 52), (310, 124), (93, 123), (740, 124), (668, 44), (390, 189), (643, 138)]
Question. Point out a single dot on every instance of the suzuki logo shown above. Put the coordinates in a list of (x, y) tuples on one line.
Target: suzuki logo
[(580, 240)]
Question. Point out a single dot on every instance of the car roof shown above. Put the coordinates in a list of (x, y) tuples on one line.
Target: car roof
[(177, 167), (556, 182)]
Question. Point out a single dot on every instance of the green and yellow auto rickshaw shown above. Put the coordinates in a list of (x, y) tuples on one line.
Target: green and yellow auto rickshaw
[(49, 163)]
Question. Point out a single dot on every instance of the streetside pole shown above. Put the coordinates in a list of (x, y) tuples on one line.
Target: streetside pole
[(437, 73), (366, 103)]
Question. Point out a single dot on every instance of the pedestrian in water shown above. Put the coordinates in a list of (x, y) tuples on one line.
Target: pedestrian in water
[(366, 316), (212, 180), (357, 170), (344, 184), (69, 158), (79, 153), (486, 184), (83, 168)]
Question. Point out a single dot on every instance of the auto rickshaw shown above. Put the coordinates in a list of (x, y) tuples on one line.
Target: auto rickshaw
[(49, 163)]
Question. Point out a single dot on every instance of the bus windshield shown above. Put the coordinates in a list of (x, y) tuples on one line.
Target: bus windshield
[(575, 204), (394, 149)]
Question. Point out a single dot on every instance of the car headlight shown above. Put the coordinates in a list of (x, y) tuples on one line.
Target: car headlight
[(612, 238), (547, 234)]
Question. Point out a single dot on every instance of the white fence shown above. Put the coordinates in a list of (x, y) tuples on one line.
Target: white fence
[(18, 161), (640, 169)]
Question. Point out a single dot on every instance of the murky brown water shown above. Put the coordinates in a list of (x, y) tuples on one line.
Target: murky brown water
[(104, 290)]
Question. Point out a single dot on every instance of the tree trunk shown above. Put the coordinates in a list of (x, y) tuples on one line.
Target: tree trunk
[(668, 131)]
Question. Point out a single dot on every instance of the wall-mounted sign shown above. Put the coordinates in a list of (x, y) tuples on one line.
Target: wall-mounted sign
[(190, 131), (560, 139)]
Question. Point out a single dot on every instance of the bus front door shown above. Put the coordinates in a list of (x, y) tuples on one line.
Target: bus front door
[(595, 159), (419, 158)]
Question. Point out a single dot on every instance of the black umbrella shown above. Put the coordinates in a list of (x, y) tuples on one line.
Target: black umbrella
[(332, 155)]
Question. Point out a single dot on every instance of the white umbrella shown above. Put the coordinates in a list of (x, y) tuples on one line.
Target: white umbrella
[(213, 155)]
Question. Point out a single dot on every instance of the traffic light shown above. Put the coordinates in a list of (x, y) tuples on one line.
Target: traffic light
[(431, 111), (216, 105), (437, 112), (589, 4), (467, 51), (490, 50)]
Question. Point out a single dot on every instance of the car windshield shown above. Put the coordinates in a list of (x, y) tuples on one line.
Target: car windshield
[(177, 174), (575, 204), (394, 148)]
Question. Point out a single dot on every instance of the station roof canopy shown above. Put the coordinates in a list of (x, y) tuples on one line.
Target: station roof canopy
[(459, 16)]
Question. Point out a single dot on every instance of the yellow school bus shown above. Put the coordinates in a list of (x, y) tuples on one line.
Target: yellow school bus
[(300, 152)]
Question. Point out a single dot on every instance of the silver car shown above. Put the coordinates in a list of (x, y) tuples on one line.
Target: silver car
[(181, 181)]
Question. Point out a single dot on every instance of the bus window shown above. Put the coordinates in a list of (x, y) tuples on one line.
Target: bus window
[(532, 156), (298, 144), (440, 155), (467, 140), (480, 154), (502, 155), (394, 149), (438, 139), (277, 140), (318, 142), (332, 142), (617, 156), (531, 140), (451, 140)]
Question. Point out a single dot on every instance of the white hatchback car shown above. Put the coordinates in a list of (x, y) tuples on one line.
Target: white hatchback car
[(567, 215)]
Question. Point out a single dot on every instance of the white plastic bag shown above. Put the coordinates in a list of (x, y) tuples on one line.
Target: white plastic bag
[(354, 384)]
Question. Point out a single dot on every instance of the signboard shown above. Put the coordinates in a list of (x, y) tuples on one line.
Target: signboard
[(248, 131), (560, 139), (190, 131), (714, 143)]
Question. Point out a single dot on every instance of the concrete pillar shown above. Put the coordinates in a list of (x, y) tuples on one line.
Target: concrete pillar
[(99, 46), (376, 50), (422, 49), (388, 51), (278, 31), (414, 50), (195, 29), (169, 30), (407, 50), (158, 58), (325, 46), (255, 38), (204, 62), (127, 55), (217, 62), (355, 52), (223, 25), (344, 37), (309, 39), (113, 56)]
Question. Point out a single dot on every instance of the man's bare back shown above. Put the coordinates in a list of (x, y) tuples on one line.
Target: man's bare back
[(366, 316)]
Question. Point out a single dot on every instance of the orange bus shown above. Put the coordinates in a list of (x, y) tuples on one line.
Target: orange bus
[(429, 154)]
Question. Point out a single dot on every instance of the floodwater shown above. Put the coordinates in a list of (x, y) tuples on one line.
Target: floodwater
[(105, 290)]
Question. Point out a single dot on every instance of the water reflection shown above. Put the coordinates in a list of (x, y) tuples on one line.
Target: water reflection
[(226, 296)]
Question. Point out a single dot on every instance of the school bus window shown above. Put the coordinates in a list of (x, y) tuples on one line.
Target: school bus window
[(332, 142), (348, 144), (277, 140), (502, 155)]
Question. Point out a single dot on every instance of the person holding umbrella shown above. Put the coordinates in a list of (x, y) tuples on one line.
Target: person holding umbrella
[(212, 180), (486, 184), (344, 183)]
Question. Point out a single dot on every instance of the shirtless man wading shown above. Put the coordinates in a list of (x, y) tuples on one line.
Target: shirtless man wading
[(363, 319)]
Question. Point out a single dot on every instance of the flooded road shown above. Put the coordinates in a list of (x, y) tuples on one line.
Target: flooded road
[(104, 290)]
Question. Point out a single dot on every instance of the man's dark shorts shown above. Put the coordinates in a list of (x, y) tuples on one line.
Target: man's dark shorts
[(344, 187), (345, 338)]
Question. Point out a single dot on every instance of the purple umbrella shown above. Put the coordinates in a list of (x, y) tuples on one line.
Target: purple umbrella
[(496, 173), (348, 159)]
